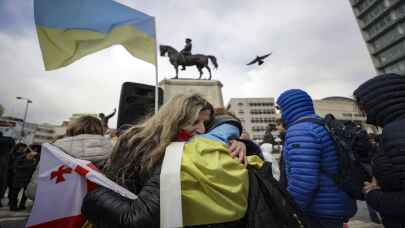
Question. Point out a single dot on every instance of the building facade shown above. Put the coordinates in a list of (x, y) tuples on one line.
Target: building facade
[(33, 133), (382, 24), (256, 114), (343, 108)]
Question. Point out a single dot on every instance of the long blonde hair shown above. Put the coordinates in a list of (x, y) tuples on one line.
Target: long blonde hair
[(147, 141)]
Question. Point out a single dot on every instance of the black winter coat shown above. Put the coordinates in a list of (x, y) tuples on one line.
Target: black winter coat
[(107, 209), (6, 145), (389, 170), (383, 100), (23, 170), (390, 205)]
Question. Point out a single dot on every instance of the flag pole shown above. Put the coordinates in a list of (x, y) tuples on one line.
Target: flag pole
[(156, 72)]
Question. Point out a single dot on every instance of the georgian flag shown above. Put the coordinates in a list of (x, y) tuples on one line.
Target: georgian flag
[(62, 183)]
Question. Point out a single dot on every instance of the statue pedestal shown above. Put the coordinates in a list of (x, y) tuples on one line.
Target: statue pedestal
[(209, 89)]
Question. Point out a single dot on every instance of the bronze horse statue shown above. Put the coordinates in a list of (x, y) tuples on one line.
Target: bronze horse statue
[(177, 59)]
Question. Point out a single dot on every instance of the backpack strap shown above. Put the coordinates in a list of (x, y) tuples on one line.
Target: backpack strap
[(310, 119), (171, 214)]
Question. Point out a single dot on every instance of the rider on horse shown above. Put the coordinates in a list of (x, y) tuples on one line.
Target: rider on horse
[(186, 51)]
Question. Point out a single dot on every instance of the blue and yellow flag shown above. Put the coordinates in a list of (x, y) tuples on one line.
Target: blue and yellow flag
[(71, 29)]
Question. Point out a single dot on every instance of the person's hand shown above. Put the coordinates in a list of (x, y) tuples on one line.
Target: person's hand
[(238, 151), (369, 186), (31, 155)]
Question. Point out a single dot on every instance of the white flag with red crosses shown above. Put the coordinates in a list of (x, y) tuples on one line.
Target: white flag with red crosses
[(62, 183)]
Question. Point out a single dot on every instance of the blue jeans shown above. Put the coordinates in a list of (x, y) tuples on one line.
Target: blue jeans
[(325, 223)]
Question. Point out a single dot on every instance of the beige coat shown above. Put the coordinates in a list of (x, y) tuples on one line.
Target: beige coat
[(94, 148)]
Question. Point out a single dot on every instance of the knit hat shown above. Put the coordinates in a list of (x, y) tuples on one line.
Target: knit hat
[(224, 118)]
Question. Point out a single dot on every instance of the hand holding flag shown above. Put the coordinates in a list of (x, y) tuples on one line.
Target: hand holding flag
[(63, 181)]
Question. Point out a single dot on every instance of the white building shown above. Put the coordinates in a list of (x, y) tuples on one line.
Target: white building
[(255, 114), (342, 108), (33, 133)]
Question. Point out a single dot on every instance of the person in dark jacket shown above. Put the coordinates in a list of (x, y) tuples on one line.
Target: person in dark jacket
[(16, 183), (24, 167), (308, 148), (6, 145), (136, 164), (382, 98)]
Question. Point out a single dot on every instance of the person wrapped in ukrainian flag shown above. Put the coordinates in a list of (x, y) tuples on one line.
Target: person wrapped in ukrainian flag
[(214, 186)]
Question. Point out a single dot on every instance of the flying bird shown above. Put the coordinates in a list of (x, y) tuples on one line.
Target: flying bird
[(259, 59)]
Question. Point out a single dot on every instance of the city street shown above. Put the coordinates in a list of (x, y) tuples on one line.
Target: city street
[(10, 219), (14, 219)]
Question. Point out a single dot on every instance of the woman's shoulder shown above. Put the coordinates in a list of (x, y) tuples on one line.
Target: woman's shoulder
[(86, 146)]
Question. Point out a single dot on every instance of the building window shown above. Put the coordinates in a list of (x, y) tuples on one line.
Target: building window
[(380, 25), (393, 53), (374, 13), (398, 68), (262, 111), (241, 111), (364, 5), (387, 38), (240, 104), (400, 12), (355, 1)]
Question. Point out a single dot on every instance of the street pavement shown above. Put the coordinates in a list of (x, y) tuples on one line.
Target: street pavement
[(362, 218), (11, 219), (14, 219)]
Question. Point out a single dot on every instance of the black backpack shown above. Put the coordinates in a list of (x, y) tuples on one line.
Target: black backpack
[(352, 174), (271, 205)]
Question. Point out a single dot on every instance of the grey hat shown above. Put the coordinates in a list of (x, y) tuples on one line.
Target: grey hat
[(224, 118)]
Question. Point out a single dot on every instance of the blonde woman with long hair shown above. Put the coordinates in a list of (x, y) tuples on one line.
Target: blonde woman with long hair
[(136, 163)]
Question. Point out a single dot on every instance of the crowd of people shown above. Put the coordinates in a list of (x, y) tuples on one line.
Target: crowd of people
[(18, 162), (227, 180)]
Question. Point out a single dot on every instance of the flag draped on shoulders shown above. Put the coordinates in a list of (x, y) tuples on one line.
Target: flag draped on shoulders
[(63, 181), (71, 29)]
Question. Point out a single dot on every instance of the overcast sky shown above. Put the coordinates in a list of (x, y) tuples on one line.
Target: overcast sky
[(316, 45)]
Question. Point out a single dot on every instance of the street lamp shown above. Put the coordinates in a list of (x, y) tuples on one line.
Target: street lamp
[(28, 101)]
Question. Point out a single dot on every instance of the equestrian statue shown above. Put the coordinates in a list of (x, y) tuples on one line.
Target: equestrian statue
[(185, 58)]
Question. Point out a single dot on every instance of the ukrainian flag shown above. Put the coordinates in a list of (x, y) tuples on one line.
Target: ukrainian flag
[(71, 29)]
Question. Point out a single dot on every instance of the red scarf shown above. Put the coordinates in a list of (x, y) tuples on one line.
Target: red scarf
[(183, 136)]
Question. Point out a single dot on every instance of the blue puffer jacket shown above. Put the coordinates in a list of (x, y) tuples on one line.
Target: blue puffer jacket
[(308, 146)]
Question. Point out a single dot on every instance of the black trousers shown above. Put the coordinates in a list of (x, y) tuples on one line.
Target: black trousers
[(14, 198)]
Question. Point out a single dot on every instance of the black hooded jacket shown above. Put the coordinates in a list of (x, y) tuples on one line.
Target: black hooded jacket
[(383, 100), (6, 145)]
